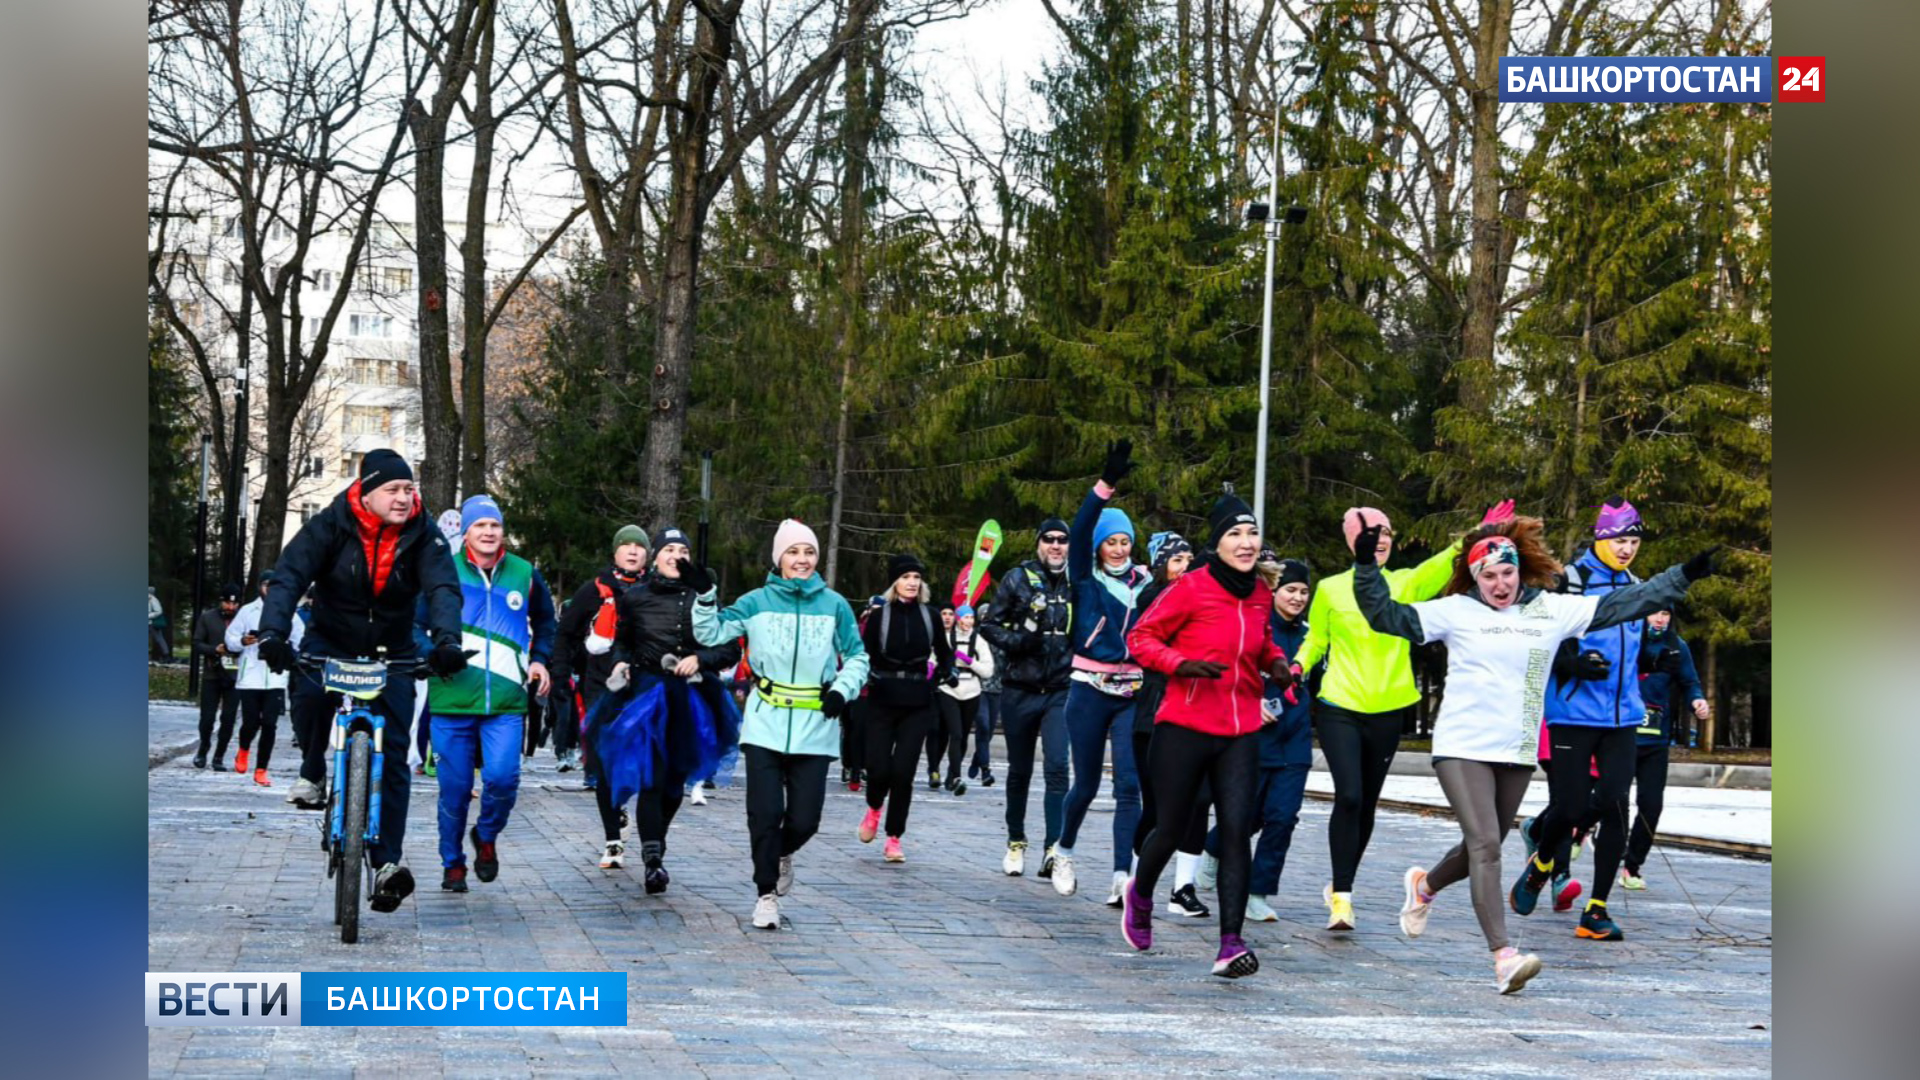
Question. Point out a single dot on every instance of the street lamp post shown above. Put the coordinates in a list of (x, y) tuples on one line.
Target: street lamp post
[(1260, 213)]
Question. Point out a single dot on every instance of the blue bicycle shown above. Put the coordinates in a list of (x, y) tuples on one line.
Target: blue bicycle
[(352, 819)]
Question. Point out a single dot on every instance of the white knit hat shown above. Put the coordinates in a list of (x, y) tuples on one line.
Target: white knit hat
[(790, 533)]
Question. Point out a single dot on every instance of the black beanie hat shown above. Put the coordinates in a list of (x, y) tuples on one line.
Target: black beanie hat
[(900, 565), (1052, 524), (1229, 511), (1292, 570), (230, 591), (671, 534), (382, 466)]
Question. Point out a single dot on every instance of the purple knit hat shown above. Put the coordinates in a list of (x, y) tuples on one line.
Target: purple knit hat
[(1617, 518)]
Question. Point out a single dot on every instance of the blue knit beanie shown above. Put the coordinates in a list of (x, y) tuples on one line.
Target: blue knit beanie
[(1112, 520)]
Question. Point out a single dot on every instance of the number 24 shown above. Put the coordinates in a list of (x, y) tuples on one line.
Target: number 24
[(1795, 80)]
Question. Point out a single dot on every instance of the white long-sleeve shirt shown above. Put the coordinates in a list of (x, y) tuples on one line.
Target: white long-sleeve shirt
[(254, 674), (970, 675)]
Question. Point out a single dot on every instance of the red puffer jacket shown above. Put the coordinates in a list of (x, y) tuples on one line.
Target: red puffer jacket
[(1198, 619)]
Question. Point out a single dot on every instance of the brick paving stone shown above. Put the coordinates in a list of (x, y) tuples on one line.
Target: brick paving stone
[(942, 964)]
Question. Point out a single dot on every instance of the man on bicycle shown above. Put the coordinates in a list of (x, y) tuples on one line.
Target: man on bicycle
[(369, 557)]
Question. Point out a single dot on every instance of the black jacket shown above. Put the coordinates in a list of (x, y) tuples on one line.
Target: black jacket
[(209, 633), (586, 670), (656, 619), (1027, 626), (348, 619), (898, 675)]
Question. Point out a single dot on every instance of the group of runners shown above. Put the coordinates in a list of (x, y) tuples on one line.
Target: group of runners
[(1199, 679)]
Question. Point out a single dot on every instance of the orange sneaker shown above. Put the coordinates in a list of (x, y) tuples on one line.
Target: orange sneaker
[(869, 826), (260, 777), (240, 762)]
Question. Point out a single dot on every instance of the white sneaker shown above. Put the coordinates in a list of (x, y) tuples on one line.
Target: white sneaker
[(1413, 913), (1119, 884), (1063, 880), (615, 856), (1512, 969), (1258, 910), (1015, 862), (766, 913), (785, 884), (1208, 877), (699, 796), (307, 794)]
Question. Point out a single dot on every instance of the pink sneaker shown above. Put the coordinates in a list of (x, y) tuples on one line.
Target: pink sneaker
[(893, 852), (1136, 917), (1563, 900), (869, 826)]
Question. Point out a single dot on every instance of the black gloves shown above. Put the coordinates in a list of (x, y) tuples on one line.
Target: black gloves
[(832, 704), (1199, 669), (1119, 462), (1282, 674), (1702, 566), (1366, 546), (447, 660), (1590, 666), (951, 680), (698, 578), (278, 653)]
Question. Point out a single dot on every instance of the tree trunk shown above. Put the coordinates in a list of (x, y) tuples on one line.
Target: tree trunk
[(475, 297), (1484, 242), (270, 524), (439, 418), (1709, 675), (856, 131)]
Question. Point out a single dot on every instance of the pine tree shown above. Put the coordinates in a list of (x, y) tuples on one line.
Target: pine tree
[(172, 472)]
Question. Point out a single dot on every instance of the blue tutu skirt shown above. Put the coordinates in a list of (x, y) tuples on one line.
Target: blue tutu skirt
[(665, 731)]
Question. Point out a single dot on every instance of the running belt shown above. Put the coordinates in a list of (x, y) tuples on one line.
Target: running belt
[(788, 696)]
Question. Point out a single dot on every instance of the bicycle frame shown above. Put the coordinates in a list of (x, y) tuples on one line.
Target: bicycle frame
[(358, 683)]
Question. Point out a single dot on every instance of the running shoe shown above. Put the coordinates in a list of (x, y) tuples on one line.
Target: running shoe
[(1512, 969), (260, 778), (973, 771), (956, 785), (1566, 892), (1119, 884), (854, 784), (1207, 878), (1185, 901), (986, 778), (1235, 960), (698, 796), (219, 763), (1525, 895), (1596, 926), (391, 885), (892, 852), (933, 781), (240, 762), (657, 879), (1064, 882), (1259, 910), (615, 855), (869, 826), (623, 819), (1631, 880), (1414, 912), (306, 795), (1339, 909), (453, 879), (766, 912), (785, 883), (1136, 917), (1046, 865), (846, 777), (1526, 837), (200, 759), (1014, 863), (566, 762), (486, 861)]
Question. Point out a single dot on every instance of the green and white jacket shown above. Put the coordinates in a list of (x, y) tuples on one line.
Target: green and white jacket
[(799, 634)]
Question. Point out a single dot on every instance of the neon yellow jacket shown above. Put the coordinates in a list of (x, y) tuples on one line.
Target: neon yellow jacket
[(1367, 672)]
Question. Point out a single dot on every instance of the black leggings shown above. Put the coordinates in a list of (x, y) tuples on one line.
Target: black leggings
[(1181, 760), (1194, 840), (260, 713), (1359, 748), (1649, 797), (218, 696), (853, 737), (895, 734), (784, 795), (1572, 791), (653, 811), (949, 736)]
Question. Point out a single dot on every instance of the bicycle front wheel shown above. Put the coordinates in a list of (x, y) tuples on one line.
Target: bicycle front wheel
[(353, 838)]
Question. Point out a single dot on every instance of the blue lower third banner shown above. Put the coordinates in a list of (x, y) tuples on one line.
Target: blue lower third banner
[(355, 999)]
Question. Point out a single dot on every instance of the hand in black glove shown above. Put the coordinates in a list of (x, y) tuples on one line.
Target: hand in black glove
[(698, 578), (1281, 673), (1199, 669), (1119, 462), (1366, 546), (448, 660), (1703, 565), (832, 704), (278, 653), (1590, 666)]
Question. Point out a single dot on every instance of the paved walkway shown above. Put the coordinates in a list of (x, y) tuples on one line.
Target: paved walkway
[(942, 964)]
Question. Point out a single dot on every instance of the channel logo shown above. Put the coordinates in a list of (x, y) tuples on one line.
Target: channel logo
[(386, 999)]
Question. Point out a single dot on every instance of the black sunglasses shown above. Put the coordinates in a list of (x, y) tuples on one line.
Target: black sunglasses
[(1053, 538)]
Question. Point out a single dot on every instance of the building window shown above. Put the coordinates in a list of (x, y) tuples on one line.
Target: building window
[(230, 274), (315, 467), (307, 510), (350, 465), (375, 326), (369, 371), (324, 280), (368, 420)]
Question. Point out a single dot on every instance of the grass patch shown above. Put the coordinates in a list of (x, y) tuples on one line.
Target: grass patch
[(167, 683)]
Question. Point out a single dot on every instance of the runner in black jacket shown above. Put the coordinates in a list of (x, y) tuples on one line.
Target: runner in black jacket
[(583, 652)]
